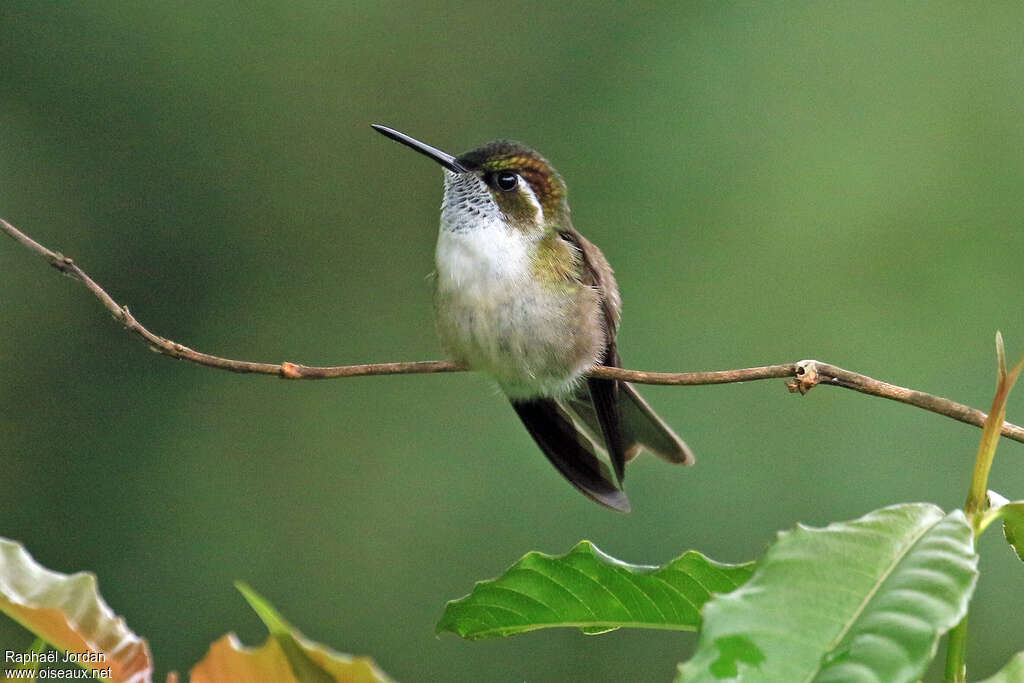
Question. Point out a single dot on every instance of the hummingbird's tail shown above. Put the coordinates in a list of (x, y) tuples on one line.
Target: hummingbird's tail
[(571, 451), (641, 428), (649, 431)]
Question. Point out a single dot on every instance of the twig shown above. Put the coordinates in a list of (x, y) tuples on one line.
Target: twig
[(806, 374)]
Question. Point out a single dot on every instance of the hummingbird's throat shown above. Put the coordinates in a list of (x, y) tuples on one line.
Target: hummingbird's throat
[(469, 204)]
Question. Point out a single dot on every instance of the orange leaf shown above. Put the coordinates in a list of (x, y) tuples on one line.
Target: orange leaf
[(228, 661), (66, 611)]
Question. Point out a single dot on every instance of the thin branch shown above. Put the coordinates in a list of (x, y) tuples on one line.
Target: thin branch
[(805, 374)]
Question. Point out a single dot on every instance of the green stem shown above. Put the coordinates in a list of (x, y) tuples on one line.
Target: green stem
[(974, 508), (977, 501), (956, 654), (978, 495)]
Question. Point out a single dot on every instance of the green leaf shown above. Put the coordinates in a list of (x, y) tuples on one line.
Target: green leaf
[(1000, 356), (1013, 526), (66, 611), (855, 601), (1012, 514), (590, 590), (274, 622), (1013, 672)]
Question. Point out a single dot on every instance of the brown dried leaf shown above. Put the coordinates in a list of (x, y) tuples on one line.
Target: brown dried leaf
[(228, 661), (66, 610)]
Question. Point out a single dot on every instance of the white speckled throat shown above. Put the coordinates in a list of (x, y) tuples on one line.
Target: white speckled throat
[(476, 246)]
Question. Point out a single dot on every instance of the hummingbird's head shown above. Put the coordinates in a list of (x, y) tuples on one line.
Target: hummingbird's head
[(500, 180)]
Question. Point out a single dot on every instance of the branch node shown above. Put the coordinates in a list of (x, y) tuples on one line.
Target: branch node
[(291, 370), (172, 349), (806, 377), (62, 263)]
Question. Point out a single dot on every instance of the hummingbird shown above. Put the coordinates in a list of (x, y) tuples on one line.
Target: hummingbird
[(523, 297)]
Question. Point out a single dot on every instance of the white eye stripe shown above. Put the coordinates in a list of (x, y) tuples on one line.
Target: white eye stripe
[(528, 192)]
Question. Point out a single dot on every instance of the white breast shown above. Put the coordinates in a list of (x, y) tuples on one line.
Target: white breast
[(482, 260)]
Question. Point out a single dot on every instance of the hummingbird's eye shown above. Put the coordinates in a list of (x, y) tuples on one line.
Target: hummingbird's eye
[(506, 181)]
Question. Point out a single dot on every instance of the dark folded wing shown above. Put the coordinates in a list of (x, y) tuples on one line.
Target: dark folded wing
[(604, 394)]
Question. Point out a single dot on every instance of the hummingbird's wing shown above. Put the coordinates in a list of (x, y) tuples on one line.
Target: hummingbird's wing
[(604, 396), (611, 408), (595, 272), (570, 450)]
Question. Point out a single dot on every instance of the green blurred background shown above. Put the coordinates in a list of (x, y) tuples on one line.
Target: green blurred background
[(838, 181)]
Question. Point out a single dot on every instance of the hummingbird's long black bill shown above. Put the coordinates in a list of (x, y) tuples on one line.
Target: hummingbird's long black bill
[(443, 158)]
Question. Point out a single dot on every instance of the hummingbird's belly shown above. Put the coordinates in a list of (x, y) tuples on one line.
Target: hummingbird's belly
[(533, 339)]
